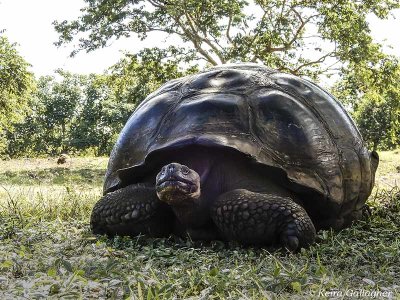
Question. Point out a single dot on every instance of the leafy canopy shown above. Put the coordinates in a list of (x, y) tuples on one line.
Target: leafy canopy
[(135, 76), (371, 91), (84, 114), (15, 83), (298, 36)]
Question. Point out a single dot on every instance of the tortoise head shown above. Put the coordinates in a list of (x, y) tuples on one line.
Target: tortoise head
[(177, 184)]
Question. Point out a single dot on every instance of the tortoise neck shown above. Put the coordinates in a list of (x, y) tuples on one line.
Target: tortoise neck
[(192, 215)]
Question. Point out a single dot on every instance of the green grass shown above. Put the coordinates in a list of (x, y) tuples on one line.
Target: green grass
[(48, 251), (80, 171), (388, 174)]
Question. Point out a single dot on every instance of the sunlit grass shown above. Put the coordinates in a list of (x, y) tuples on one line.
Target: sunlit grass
[(388, 174), (48, 251)]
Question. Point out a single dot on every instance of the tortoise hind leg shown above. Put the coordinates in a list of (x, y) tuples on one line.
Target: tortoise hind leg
[(132, 210), (267, 219)]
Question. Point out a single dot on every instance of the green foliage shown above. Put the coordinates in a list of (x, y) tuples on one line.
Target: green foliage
[(135, 76), (84, 114), (378, 120), (100, 119), (298, 36), (371, 90), (66, 116), (54, 110), (16, 83)]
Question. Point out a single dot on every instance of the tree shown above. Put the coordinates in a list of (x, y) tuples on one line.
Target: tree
[(101, 117), (135, 76), (298, 36), (85, 114), (302, 37), (61, 106), (371, 91), (54, 107), (377, 121), (110, 99), (16, 83)]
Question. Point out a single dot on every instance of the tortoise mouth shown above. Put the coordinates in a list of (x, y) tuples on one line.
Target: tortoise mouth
[(174, 181), (174, 191), (173, 185)]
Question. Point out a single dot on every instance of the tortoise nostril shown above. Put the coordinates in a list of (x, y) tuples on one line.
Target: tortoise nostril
[(170, 169), (185, 170)]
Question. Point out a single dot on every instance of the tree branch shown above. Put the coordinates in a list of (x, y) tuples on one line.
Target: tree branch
[(313, 62), (195, 40), (155, 4), (204, 39), (191, 34), (254, 59), (299, 29), (228, 35), (288, 45)]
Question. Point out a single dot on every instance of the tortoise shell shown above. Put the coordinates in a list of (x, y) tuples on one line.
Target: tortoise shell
[(280, 120)]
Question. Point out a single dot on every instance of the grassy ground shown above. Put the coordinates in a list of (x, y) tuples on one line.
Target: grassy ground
[(47, 250)]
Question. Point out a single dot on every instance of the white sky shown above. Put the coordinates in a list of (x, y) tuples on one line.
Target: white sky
[(28, 23)]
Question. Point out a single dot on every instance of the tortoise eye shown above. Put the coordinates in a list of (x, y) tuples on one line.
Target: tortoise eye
[(185, 170)]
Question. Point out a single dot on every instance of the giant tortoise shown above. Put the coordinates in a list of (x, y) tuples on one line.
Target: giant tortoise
[(237, 152)]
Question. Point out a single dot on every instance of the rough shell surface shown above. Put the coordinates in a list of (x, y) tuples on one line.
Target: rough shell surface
[(279, 119)]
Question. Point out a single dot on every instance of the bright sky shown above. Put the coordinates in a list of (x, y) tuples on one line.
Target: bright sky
[(28, 23)]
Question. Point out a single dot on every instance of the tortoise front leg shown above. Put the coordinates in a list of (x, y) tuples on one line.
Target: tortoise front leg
[(132, 210), (267, 219)]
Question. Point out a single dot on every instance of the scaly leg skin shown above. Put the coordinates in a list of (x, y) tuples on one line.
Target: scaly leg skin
[(132, 210), (266, 219)]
